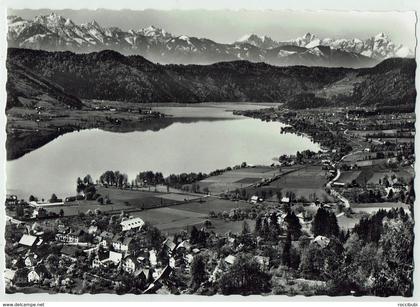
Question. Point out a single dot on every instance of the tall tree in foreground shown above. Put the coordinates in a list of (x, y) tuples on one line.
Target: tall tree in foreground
[(396, 274), (293, 225), (198, 271), (325, 224), (245, 277), (286, 250)]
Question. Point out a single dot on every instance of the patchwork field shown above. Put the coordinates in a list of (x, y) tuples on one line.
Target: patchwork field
[(373, 207), (239, 178), (348, 176), (345, 222), (304, 183), (372, 174), (406, 173), (184, 216)]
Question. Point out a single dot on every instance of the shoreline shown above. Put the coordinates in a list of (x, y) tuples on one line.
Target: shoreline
[(28, 131)]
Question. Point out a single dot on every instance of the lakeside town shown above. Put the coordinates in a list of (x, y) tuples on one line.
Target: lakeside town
[(334, 222)]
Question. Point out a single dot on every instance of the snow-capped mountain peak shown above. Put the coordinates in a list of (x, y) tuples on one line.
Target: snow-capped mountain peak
[(54, 32), (262, 41), (153, 31)]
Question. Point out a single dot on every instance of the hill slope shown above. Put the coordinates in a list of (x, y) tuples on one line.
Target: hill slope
[(26, 89), (110, 75)]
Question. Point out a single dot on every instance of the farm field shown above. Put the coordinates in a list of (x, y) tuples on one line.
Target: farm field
[(303, 182), (346, 223), (407, 173), (184, 216), (348, 176), (125, 200), (372, 174), (373, 207), (359, 156), (238, 178)]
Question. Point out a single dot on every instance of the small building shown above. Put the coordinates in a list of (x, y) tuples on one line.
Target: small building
[(132, 223), (169, 246), (153, 258), (100, 260), (37, 274), (285, 200), (30, 260), (230, 259), (28, 240), (117, 241), (9, 276), (92, 229), (130, 264), (115, 257), (183, 247), (127, 244), (321, 241), (71, 237), (263, 262), (254, 199)]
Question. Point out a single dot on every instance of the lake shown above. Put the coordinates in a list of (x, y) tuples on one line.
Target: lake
[(213, 139)]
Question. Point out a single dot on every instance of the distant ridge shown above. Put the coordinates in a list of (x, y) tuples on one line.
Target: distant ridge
[(112, 76)]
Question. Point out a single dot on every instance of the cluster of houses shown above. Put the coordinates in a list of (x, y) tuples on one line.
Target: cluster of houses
[(100, 250)]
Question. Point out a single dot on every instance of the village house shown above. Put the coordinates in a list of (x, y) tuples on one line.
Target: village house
[(115, 257), (127, 244), (230, 260), (30, 260), (100, 260), (130, 264), (321, 241), (18, 263), (169, 246), (132, 223), (61, 228), (92, 229), (263, 262), (106, 238), (153, 258), (117, 242), (71, 237), (90, 250), (9, 276), (183, 247), (28, 240), (37, 274), (285, 200)]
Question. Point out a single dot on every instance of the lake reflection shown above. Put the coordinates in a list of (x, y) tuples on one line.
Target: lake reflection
[(180, 147)]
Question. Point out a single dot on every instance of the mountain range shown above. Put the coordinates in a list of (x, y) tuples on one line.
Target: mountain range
[(56, 33), (109, 75)]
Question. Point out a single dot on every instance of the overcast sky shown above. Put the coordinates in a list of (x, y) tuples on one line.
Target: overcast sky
[(229, 25)]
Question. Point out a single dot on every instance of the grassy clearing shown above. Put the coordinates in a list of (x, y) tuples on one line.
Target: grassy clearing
[(348, 176), (184, 216), (237, 179), (346, 223), (303, 183)]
